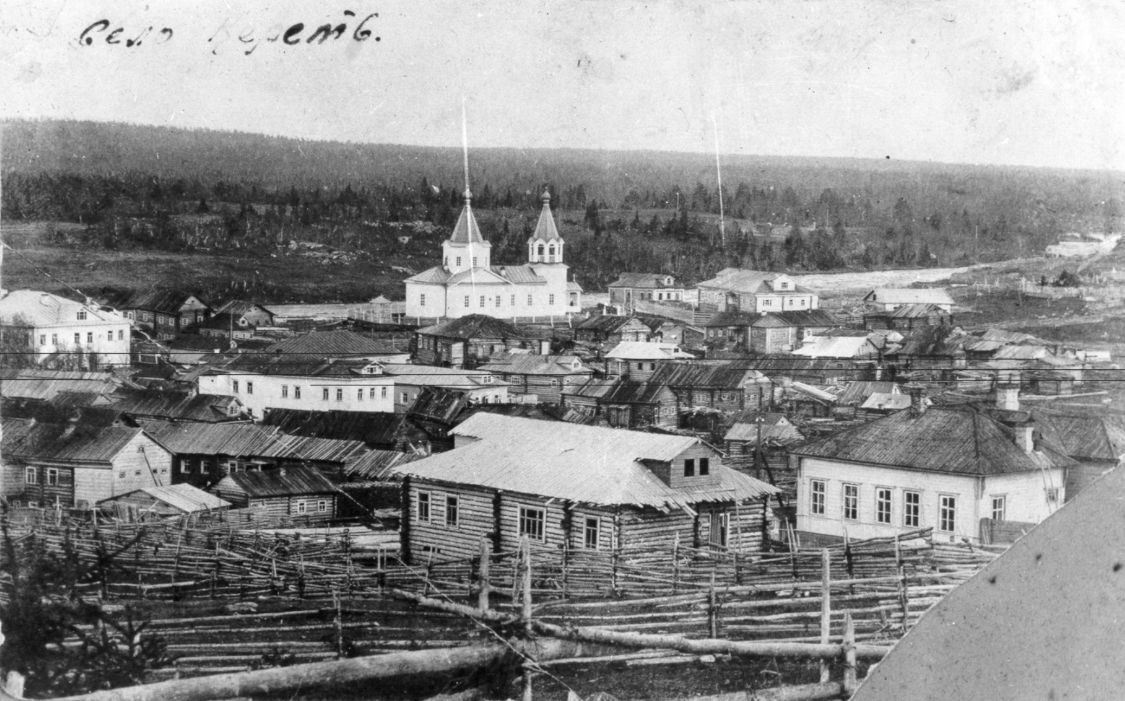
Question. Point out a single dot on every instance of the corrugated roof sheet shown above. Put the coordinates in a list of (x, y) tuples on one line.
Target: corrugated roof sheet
[(581, 463), (956, 440), (287, 481)]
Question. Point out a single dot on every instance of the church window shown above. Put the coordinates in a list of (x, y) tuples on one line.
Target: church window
[(539, 250), (551, 252)]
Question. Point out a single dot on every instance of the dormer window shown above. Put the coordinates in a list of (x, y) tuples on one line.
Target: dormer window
[(704, 466), (689, 467), (551, 250), (539, 250), (82, 315)]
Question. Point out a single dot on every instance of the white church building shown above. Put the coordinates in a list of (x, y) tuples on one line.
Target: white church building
[(466, 282)]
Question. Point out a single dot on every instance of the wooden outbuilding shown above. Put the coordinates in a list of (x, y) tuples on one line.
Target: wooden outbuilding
[(287, 492)]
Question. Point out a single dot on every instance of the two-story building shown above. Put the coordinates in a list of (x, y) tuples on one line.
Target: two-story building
[(54, 328), (545, 377), (630, 288), (564, 485), (755, 291), (282, 382), (468, 341), (163, 313)]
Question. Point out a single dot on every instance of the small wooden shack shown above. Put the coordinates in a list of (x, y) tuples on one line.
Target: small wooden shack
[(288, 492), (162, 502), (578, 487)]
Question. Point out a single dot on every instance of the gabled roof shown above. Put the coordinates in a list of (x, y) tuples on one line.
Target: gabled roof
[(42, 309), (633, 392), (606, 323), (249, 440), (909, 295), (238, 307), (162, 301), (545, 228), (1083, 435), (527, 364), (377, 464), (640, 350), (733, 317), (646, 281), (519, 274), (337, 343), (887, 401), (437, 376), (836, 347), (581, 463), (855, 393), (910, 311), (374, 428), (477, 276), (953, 440), (48, 384), (173, 405), (287, 481), (775, 428), (594, 388), (472, 326), (466, 230), (725, 376), (749, 282), (183, 497), (27, 439), (805, 318)]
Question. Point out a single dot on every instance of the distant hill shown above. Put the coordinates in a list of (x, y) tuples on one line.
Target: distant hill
[(95, 148)]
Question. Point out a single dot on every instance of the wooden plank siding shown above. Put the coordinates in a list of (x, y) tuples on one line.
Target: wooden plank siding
[(280, 506), (622, 527)]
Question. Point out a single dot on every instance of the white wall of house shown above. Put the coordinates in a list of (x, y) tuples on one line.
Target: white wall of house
[(499, 300), (108, 339), (369, 393), (1025, 498)]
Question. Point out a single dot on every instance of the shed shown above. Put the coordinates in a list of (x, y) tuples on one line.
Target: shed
[(164, 502), (288, 492)]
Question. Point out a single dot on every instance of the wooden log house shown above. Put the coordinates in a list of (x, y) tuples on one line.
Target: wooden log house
[(288, 492), (573, 487)]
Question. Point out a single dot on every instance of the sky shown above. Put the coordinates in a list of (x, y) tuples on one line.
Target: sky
[(1029, 82)]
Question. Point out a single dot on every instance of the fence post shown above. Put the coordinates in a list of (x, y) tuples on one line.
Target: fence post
[(483, 585), (849, 655), (339, 623), (528, 694), (676, 564), (526, 610), (713, 607), (903, 597), (825, 608)]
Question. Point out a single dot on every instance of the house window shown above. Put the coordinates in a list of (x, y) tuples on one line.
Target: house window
[(296, 392), (719, 526), (89, 337), (120, 334), (513, 300), (82, 315), (451, 514), (30, 476), (591, 533), (322, 505), (42, 339), (302, 506), (458, 261), (816, 497), (234, 386), (550, 299), (911, 509), (999, 507), (109, 335), (474, 261), (532, 523), (383, 392), (947, 512), (529, 302), (539, 250), (77, 339), (55, 340), (466, 300), (482, 300), (405, 398), (883, 505), (249, 388), (640, 366), (689, 467), (285, 391), (370, 393), (324, 394), (851, 502), (339, 394), (498, 300), (121, 475), (424, 507), (704, 466), (422, 300)]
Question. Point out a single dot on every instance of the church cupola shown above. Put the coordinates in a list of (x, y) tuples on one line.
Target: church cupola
[(466, 248), (545, 244)]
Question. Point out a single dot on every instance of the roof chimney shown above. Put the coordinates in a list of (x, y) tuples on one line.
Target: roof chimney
[(1008, 397), (917, 398), (1025, 436)]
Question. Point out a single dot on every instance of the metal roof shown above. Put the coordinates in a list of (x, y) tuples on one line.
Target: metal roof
[(527, 364), (183, 496), (545, 229), (641, 350), (373, 428), (728, 376), (856, 392), (837, 347), (42, 309), (471, 327), (48, 384), (467, 230), (775, 428), (174, 405), (338, 343), (581, 463), (283, 482), (1082, 435), (27, 439), (646, 281), (954, 440)]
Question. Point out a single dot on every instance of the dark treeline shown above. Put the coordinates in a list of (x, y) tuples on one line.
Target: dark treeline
[(139, 186)]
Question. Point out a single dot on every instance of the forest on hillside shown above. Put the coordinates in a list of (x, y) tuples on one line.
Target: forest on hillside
[(138, 187)]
